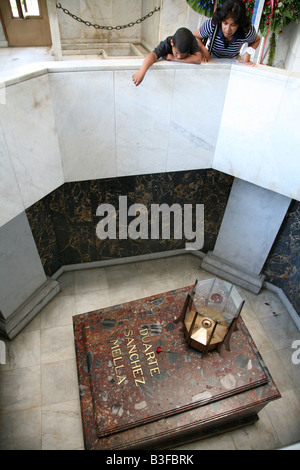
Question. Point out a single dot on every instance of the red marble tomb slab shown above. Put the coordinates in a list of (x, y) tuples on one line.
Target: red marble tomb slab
[(127, 388)]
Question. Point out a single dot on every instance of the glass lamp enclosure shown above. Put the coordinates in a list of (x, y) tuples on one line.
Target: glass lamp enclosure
[(209, 314)]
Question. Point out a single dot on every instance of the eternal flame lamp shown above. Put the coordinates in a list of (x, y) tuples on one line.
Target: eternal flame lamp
[(210, 314)]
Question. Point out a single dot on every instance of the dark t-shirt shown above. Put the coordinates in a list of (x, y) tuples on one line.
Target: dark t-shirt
[(165, 47)]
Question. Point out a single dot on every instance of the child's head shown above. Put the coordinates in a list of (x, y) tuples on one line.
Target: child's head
[(182, 42)]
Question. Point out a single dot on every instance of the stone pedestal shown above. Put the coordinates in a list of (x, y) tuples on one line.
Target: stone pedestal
[(134, 396), (250, 225)]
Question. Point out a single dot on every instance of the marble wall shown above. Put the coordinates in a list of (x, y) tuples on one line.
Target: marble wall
[(106, 13), (64, 222), (30, 162), (258, 140), (107, 127)]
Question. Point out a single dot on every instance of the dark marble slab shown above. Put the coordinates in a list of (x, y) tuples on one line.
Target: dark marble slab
[(126, 385), (64, 222), (282, 267)]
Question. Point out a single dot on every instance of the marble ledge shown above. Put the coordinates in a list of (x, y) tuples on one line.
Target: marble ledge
[(26, 72), (23, 73), (265, 71), (37, 69)]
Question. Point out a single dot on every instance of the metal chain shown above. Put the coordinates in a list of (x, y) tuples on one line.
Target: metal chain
[(97, 26)]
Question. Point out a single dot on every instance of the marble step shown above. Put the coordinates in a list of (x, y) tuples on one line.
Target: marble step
[(83, 52), (104, 49)]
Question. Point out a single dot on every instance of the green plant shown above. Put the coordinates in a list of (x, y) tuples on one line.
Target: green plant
[(277, 15), (272, 49)]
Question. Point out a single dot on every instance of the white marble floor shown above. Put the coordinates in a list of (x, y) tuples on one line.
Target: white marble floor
[(12, 57), (39, 403)]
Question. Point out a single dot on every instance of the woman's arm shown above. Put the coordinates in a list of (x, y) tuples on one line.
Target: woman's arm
[(254, 45), (205, 54)]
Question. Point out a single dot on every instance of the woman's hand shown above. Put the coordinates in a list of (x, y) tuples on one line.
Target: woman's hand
[(205, 55), (246, 59)]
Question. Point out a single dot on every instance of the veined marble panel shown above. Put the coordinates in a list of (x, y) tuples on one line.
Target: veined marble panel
[(143, 121), (251, 222), (10, 197), (84, 110), (259, 138), (285, 139), (198, 100), (107, 13), (173, 15), (30, 133)]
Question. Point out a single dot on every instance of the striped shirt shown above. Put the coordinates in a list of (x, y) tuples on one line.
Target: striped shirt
[(221, 48)]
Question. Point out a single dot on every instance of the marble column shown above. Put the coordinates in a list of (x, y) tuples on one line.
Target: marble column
[(54, 28), (252, 219), (24, 287)]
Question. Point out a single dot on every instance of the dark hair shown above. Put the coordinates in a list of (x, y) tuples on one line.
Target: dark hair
[(233, 9), (183, 40)]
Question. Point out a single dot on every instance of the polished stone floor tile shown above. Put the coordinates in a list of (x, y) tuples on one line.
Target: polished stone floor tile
[(280, 330), (59, 311), (57, 344), (284, 415), (278, 370), (88, 280), (20, 389), (21, 430), (24, 350), (61, 426), (258, 436), (59, 382), (88, 301)]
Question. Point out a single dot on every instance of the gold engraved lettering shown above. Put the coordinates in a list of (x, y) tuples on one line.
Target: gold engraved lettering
[(121, 378), (133, 349), (116, 352), (129, 341), (150, 354), (137, 371), (141, 381), (116, 359), (154, 370), (134, 358), (117, 356), (151, 358), (128, 333), (144, 331), (147, 347)]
